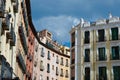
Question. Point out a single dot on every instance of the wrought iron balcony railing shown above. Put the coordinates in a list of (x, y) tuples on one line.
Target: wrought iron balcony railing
[(11, 35), (23, 39), (6, 22), (21, 62)]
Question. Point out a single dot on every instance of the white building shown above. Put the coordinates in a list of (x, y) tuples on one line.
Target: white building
[(95, 50)]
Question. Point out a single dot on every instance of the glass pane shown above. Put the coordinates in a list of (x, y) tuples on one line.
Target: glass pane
[(114, 33), (102, 55), (102, 73), (116, 71), (87, 73)]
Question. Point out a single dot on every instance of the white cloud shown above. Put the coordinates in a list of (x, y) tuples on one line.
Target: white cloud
[(58, 25)]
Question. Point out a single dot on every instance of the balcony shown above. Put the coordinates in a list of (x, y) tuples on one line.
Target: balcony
[(24, 13), (66, 76), (23, 39), (28, 73), (35, 63), (57, 72), (11, 35), (57, 61), (66, 64), (21, 62), (41, 67), (30, 57), (13, 40), (61, 74), (6, 22), (15, 6), (48, 71), (42, 54), (2, 7), (36, 48)]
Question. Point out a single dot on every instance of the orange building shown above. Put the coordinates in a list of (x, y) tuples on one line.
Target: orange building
[(31, 37)]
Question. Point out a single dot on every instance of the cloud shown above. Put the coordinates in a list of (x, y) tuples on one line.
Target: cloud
[(59, 16), (58, 25)]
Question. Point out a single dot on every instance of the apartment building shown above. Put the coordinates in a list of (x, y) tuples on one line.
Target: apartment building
[(22, 43), (51, 60), (8, 30), (13, 38), (95, 50), (30, 45)]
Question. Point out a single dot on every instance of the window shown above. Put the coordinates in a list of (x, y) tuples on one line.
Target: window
[(52, 67), (72, 78), (52, 78), (61, 61), (67, 62), (114, 33), (41, 66), (42, 52), (87, 73), (87, 37), (101, 35), (48, 68), (61, 73), (53, 54), (72, 71), (35, 63), (73, 39), (36, 48), (47, 78), (48, 55), (66, 75), (57, 71), (41, 77), (73, 61), (57, 60), (102, 55), (116, 72), (72, 56), (102, 73), (34, 78), (87, 55), (115, 53)]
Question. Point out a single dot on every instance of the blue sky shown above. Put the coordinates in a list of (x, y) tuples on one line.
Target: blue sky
[(58, 16)]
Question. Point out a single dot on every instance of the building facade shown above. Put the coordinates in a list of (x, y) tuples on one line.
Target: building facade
[(51, 60), (13, 38), (8, 34), (22, 42), (95, 50)]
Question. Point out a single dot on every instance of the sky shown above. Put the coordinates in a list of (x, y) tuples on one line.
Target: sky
[(58, 16)]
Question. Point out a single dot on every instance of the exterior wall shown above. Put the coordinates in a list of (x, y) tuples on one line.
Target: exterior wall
[(8, 33), (40, 72), (94, 64), (13, 37), (22, 42), (30, 55), (75, 49)]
